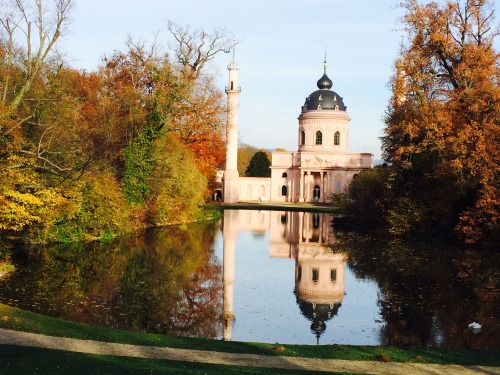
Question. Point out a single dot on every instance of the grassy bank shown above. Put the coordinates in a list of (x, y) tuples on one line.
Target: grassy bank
[(22, 320)]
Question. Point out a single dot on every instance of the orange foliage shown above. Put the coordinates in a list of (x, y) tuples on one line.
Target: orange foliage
[(443, 120)]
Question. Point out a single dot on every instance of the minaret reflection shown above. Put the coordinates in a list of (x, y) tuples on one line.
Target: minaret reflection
[(230, 232), (234, 221), (305, 237)]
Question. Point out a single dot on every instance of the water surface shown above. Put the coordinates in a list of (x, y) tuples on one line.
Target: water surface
[(267, 276)]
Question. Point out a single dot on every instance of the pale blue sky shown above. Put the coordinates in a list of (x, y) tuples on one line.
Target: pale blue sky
[(280, 54)]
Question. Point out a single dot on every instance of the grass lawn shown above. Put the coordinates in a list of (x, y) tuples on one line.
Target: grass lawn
[(22, 320)]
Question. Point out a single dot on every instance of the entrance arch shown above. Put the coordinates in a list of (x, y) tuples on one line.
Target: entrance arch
[(316, 193)]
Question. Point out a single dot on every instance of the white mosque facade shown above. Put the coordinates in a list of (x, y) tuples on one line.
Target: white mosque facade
[(322, 164)]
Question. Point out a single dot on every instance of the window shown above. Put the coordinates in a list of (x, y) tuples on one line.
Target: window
[(333, 275), (299, 273), (315, 275), (232, 85), (336, 139), (338, 183), (284, 174), (284, 190), (283, 219), (319, 138), (303, 138)]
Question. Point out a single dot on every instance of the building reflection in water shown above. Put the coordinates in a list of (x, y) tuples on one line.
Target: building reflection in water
[(305, 237)]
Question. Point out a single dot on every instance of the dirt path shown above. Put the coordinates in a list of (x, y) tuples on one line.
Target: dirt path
[(9, 337)]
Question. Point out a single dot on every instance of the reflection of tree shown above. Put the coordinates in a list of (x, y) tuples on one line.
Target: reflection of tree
[(430, 293), (167, 282)]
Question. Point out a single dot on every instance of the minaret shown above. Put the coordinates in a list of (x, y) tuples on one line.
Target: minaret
[(230, 179)]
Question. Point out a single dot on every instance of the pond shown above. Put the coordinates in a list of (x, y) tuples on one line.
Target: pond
[(267, 276)]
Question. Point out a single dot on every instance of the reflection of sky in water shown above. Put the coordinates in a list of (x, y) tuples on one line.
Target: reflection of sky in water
[(265, 305)]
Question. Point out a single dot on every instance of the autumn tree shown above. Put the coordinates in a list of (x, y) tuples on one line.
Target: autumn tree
[(29, 32), (148, 127), (245, 154), (442, 125), (200, 117)]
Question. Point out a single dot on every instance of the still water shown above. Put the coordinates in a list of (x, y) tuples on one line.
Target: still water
[(267, 276)]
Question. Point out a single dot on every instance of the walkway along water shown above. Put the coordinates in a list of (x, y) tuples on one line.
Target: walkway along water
[(8, 337)]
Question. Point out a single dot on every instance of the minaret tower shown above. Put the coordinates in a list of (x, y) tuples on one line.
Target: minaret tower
[(230, 180)]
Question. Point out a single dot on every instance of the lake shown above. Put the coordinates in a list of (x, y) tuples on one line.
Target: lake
[(267, 276)]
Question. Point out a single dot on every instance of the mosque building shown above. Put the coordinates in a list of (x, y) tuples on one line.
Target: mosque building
[(321, 166)]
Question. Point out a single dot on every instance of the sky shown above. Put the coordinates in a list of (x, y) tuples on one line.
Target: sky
[(280, 54)]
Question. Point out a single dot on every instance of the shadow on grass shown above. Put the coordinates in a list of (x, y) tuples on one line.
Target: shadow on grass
[(16, 360), (22, 320)]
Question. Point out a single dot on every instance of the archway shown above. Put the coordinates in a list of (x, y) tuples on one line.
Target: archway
[(316, 193)]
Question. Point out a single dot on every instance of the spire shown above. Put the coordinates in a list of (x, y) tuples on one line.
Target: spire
[(233, 65), (324, 63), (324, 82)]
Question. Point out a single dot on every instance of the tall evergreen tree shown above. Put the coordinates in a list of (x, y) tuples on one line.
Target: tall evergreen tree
[(259, 165)]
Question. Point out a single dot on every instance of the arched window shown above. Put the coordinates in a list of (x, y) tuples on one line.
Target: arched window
[(303, 138), (284, 190), (284, 174), (319, 138), (262, 191), (338, 183), (336, 139), (316, 191)]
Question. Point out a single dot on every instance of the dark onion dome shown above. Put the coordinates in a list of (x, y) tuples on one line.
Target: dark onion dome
[(318, 315), (324, 98), (324, 82)]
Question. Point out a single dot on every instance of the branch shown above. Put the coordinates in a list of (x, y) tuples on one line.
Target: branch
[(18, 124), (194, 49)]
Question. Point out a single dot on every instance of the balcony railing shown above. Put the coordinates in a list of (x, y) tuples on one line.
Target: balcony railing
[(234, 89)]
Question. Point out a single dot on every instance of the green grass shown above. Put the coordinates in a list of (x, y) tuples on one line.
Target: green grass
[(22, 320), (52, 362)]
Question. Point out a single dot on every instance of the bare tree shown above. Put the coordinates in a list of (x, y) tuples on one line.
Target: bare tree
[(194, 48), (35, 25)]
